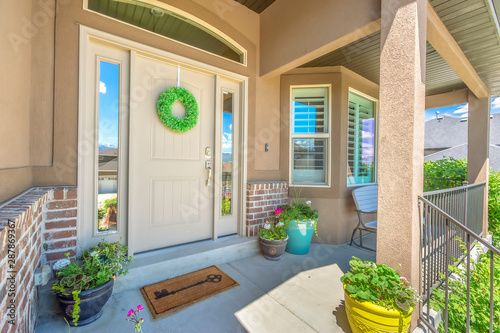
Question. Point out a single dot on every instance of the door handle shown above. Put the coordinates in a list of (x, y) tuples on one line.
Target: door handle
[(208, 167), (209, 180)]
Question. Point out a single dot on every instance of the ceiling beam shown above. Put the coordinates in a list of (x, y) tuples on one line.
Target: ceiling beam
[(444, 43)]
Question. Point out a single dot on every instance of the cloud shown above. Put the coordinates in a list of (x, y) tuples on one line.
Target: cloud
[(102, 87), (231, 126), (367, 135), (495, 104), (464, 109), (227, 141)]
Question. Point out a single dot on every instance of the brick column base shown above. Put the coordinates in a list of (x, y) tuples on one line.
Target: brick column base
[(262, 200)]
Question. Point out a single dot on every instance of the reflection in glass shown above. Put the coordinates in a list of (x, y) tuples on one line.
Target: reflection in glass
[(361, 141), (308, 110), (227, 153), (309, 137), (309, 160), (107, 194)]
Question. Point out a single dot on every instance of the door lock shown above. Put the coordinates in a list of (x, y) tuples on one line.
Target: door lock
[(208, 152)]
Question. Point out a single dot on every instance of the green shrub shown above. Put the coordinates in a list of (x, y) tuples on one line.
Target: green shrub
[(451, 168), (480, 276), (494, 205), (479, 297)]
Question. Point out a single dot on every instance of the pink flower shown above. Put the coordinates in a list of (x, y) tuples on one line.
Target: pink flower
[(277, 211), (131, 312), (139, 307)]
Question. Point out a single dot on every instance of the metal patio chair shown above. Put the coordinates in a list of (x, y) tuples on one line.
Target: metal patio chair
[(365, 199)]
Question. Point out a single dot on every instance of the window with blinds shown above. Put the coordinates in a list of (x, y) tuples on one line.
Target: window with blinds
[(310, 136), (361, 141)]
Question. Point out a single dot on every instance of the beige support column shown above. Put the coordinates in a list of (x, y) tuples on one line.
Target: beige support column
[(478, 157), (401, 134)]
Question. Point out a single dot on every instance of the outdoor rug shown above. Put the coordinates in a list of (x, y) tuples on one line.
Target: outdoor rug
[(172, 294)]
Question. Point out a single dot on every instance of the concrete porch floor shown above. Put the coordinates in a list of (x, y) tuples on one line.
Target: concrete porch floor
[(256, 276)]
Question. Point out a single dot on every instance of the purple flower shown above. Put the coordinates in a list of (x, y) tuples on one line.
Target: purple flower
[(131, 312), (277, 211), (139, 307)]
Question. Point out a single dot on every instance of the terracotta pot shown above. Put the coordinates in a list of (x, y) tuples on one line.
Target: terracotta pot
[(272, 249), (370, 317), (91, 303)]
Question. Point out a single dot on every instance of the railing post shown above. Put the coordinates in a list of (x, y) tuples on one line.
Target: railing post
[(466, 185)]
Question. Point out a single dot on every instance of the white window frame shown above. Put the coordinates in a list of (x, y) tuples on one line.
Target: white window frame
[(326, 136), (375, 114)]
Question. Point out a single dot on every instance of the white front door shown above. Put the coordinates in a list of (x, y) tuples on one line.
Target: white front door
[(163, 190), (170, 198)]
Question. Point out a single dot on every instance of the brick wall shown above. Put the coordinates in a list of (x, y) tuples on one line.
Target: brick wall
[(59, 228), (262, 200), (42, 218)]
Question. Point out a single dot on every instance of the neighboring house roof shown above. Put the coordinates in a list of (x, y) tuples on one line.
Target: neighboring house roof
[(460, 152), (450, 132), (109, 152), (111, 165)]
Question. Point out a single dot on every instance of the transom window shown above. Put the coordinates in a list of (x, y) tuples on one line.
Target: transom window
[(169, 24), (361, 140), (309, 135)]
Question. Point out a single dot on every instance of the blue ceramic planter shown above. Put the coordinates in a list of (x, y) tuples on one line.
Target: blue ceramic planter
[(299, 236)]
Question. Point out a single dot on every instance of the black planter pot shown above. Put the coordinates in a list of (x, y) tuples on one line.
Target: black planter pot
[(272, 249), (91, 303)]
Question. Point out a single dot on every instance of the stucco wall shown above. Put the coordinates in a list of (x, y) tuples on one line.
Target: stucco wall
[(26, 88), (296, 31), (15, 69), (333, 228)]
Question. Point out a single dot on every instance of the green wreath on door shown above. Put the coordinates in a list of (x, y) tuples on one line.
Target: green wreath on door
[(164, 107)]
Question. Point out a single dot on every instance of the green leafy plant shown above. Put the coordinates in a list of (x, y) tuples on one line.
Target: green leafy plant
[(479, 297), (273, 230), (379, 284), (296, 210), (448, 168), (96, 266)]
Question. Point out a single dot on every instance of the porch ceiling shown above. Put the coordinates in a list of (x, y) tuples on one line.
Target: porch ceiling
[(472, 25), (257, 6)]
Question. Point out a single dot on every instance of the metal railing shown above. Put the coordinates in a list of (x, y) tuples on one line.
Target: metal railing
[(463, 203), (448, 220)]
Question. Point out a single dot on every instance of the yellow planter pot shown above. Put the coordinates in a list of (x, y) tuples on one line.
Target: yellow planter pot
[(368, 317)]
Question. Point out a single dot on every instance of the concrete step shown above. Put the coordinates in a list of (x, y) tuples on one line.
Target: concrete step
[(154, 266)]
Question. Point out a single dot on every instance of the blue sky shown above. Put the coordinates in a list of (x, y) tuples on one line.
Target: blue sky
[(460, 110), (108, 104), (227, 130)]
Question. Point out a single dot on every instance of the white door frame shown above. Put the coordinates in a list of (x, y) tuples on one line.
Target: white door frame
[(86, 35)]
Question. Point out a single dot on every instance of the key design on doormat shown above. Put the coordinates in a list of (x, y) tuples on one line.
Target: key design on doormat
[(212, 278)]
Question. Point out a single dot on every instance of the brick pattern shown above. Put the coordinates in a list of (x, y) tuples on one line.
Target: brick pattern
[(262, 200), (18, 296), (59, 228), (44, 218)]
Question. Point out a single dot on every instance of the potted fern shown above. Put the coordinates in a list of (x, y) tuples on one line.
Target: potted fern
[(377, 298), (84, 287)]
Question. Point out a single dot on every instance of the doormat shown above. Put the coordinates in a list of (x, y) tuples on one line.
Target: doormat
[(172, 294)]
